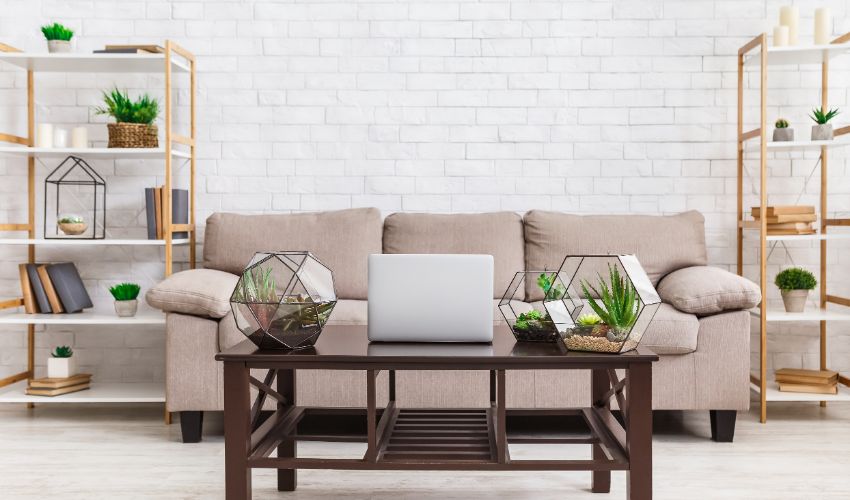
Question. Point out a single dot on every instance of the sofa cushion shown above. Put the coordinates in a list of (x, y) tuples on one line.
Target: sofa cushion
[(342, 240), (498, 234), (199, 292), (704, 290), (671, 331), (662, 243)]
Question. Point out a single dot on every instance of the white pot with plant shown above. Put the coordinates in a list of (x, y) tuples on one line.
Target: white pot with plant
[(125, 295), (133, 127), (58, 37), (822, 130), (795, 283), (782, 132), (62, 363), (72, 225)]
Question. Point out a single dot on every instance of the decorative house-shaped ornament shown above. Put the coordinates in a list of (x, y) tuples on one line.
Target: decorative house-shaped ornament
[(74, 201)]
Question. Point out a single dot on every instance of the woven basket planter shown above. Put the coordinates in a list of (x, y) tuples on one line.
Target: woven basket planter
[(132, 135)]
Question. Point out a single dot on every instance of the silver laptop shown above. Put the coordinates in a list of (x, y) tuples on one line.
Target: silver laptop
[(430, 298)]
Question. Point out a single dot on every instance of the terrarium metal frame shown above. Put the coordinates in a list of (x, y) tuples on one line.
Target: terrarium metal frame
[(57, 177), (282, 317)]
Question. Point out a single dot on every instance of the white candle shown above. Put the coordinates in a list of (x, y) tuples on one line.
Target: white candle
[(60, 138), (790, 16), (80, 138), (780, 36), (44, 138), (823, 26)]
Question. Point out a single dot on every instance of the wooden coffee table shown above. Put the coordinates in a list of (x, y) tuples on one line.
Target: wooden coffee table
[(433, 439)]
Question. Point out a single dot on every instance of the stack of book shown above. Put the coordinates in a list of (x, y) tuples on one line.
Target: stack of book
[(154, 209), (53, 288), (58, 386), (130, 49), (813, 381), (788, 219)]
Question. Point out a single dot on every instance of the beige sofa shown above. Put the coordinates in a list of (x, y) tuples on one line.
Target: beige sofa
[(701, 330)]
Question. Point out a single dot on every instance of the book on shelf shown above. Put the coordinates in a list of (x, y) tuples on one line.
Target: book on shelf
[(150, 212), (121, 51), (801, 376), (52, 297), (158, 211), (26, 290), (69, 286), (154, 205), (38, 391), (809, 388), (776, 210), (42, 302), (59, 383), (146, 48), (779, 219)]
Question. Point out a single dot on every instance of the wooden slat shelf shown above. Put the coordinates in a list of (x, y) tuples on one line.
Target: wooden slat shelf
[(92, 63)]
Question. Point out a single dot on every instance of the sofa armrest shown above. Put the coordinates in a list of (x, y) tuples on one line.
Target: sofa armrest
[(705, 290), (197, 292)]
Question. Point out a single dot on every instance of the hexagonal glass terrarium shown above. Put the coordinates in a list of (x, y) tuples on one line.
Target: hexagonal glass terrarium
[(608, 304), (283, 299), (529, 317)]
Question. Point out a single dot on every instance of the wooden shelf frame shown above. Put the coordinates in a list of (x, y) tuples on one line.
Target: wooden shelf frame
[(747, 57), (174, 59)]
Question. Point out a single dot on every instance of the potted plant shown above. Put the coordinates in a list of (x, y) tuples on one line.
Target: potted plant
[(62, 363), (134, 119), (822, 130), (58, 37), (125, 295), (72, 225), (782, 132), (795, 284), (536, 325), (619, 305)]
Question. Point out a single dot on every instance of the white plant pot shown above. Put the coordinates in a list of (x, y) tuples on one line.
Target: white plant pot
[(126, 308), (58, 46), (783, 134), (822, 132), (795, 300), (61, 367)]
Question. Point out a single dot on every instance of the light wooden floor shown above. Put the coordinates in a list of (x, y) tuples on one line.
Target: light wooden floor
[(85, 452)]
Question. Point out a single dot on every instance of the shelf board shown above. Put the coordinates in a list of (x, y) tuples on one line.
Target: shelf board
[(87, 317), (104, 392), (839, 141), (774, 394), (85, 242), (799, 54), (753, 231), (100, 153), (811, 314), (92, 63)]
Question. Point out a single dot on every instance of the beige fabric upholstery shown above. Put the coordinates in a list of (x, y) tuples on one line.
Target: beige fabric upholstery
[(199, 292), (661, 243), (671, 331), (194, 379), (705, 290), (342, 240), (497, 234)]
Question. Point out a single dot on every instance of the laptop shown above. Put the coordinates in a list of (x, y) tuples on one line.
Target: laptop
[(430, 298)]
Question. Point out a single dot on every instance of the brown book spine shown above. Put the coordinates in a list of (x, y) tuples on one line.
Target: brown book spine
[(58, 383), (787, 379), (814, 389), (26, 289), (57, 392), (784, 210), (157, 194), (55, 303), (779, 219)]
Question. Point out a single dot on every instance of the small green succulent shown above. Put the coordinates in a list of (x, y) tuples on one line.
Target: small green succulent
[(71, 219), (589, 320), (795, 278), (530, 320), (56, 31), (782, 123), (62, 351), (551, 290), (125, 291), (821, 116), (620, 304)]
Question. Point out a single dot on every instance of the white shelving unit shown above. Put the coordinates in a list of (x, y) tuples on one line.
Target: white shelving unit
[(772, 393), (173, 60)]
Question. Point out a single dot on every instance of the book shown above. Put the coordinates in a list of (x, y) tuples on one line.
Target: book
[(784, 210), (154, 49), (801, 376), (777, 219), (121, 51), (58, 383), (37, 391), (150, 212), (180, 210), (38, 289), (788, 232), (26, 290), (69, 286), (158, 211), (810, 388), (55, 303)]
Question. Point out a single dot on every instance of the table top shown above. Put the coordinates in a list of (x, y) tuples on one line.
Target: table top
[(347, 347)]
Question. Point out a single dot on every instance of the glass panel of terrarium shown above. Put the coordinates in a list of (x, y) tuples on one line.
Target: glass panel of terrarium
[(244, 317), (258, 258), (639, 279), (317, 280), (645, 316), (510, 292), (559, 314)]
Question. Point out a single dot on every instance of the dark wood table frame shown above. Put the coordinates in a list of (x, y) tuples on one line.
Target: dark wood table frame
[(434, 439)]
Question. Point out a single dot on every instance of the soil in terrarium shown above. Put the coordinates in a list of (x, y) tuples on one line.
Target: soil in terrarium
[(535, 326), (296, 325)]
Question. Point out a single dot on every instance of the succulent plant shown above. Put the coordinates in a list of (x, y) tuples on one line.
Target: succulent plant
[(589, 320), (71, 219), (56, 31), (62, 351), (620, 303), (550, 289), (144, 109), (821, 116), (782, 123), (257, 286), (795, 278), (125, 291)]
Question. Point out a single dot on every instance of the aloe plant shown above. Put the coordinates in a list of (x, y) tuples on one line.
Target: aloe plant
[(620, 305), (62, 351), (56, 31), (821, 116), (257, 286), (125, 291)]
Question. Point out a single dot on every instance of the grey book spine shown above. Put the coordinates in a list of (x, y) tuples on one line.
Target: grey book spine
[(38, 289), (69, 286), (180, 210), (150, 212)]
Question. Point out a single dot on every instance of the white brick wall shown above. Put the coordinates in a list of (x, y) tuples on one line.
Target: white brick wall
[(579, 106)]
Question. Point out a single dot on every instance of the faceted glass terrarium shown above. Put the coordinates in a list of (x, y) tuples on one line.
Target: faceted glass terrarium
[(529, 317), (283, 299), (608, 305)]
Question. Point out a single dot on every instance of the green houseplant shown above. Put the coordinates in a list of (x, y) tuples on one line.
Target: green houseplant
[(795, 283), (61, 363), (125, 295), (822, 130), (58, 37), (617, 306), (72, 225), (782, 132), (133, 127)]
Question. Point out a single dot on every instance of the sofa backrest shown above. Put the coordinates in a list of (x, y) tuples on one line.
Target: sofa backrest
[(342, 240), (662, 243), (498, 234)]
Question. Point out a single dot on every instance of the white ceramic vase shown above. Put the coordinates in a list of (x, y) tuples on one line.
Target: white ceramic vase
[(795, 300), (126, 308), (58, 46), (61, 367)]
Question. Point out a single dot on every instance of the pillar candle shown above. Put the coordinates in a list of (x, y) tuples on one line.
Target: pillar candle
[(60, 138), (790, 16), (780, 36), (823, 26), (80, 138), (44, 138)]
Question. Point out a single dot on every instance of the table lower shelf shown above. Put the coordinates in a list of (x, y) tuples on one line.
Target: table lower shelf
[(100, 392)]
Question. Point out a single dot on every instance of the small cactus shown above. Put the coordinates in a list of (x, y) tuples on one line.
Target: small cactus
[(62, 351), (782, 123), (589, 320)]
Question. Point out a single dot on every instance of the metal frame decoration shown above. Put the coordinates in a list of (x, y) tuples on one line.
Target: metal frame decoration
[(59, 178)]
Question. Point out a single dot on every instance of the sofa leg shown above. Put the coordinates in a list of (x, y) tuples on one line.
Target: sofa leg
[(191, 423), (723, 425)]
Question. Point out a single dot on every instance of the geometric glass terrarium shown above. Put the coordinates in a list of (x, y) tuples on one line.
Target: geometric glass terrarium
[(283, 299), (608, 304), (529, 318), (74, 201)]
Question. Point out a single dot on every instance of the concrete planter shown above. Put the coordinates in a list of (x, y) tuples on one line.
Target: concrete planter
[(58, 46), (126, 308), (822, 132), (783, 134), (795, 300), (61, 367)]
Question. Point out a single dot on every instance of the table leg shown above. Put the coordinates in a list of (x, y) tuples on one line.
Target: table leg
[(501, 419), (601, 479), (287, 479), (639, 432), (237, 431), (371, 417)]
